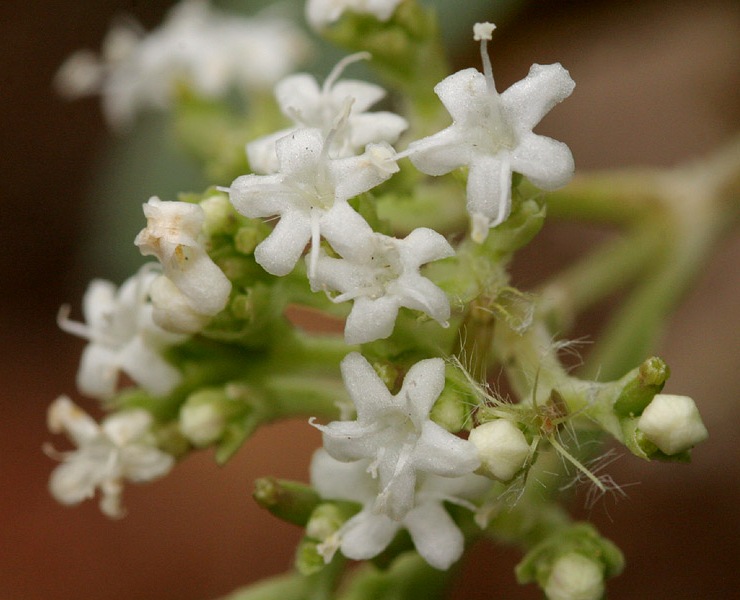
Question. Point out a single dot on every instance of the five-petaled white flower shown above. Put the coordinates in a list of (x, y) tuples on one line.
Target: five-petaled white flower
[(196, 45), (193, 288), (122, 448), (381, 274), (122, 337), (396, 433), (308, 105), (435, 535), (492, 135), (320, 13), (309, 193)]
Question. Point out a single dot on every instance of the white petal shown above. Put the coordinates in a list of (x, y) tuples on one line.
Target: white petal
[(349, 440), (547, 163), (65, 416), (426, 245), (368, 392), (337, 480), (358, 174), (364, 94), (261, 195), (124, 427), (346, 231), (97, 376), (462, 93), (422, 386), (531, 98), (489, 188), (261, 152), (148, 369), (281, 250), (145, 463), (74, 480), (440, 452), (418, 293), (436, 536), (366, 535), (376, 127), (442, 152), (298, 92), (299, 152), (202, 282), (371, 319)]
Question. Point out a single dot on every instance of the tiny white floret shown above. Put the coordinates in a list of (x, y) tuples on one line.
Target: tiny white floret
[(122, 338), (121, 448), (672, 423), (492, 135), (435, 535), (309, 106), (197, 287), (321, 13), (309, 189), (396, 433), (380, 274)]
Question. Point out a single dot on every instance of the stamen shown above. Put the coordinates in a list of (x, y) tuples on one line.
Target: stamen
[(482, 32), (340, 67), (72, 327), (315, 242)]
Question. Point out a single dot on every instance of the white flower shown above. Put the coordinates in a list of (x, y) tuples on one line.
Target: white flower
[(310, 192), (672, 423), (209, 51), (121, 448), (395, 432), (575, 577), (320, 13), (502, 448), (435, 535), (492, 135), (381, 274), (310, 106), (193, 288), (122, 338)]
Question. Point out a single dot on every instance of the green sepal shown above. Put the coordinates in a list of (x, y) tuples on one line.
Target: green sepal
[(640, 386), (289, 501), (582, 538)]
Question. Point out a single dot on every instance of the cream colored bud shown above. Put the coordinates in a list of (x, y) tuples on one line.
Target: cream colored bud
[(203, 424), (575, 577), (502, 448), (672, 423)]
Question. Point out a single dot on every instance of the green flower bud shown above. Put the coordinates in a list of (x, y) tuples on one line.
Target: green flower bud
[(221, 218), (288, 500), (640, 387)]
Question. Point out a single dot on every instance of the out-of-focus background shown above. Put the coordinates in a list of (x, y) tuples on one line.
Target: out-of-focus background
[(657, 83)]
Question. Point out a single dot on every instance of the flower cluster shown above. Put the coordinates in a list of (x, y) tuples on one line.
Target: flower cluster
[(196, 46), (201, 348)]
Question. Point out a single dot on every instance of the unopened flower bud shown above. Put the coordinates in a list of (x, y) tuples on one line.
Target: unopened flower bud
[(672, 423), (502, 448), (575, 577), (203, 417)]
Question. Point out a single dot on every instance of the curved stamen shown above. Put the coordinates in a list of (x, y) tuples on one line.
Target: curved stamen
[(340, 67)]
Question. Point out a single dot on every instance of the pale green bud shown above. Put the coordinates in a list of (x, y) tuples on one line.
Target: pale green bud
[(203, 417), (575, 577), (672, 423), (220, 216), (502, 448)]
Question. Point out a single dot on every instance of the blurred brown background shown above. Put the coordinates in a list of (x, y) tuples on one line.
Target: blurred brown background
[(657, 83)]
